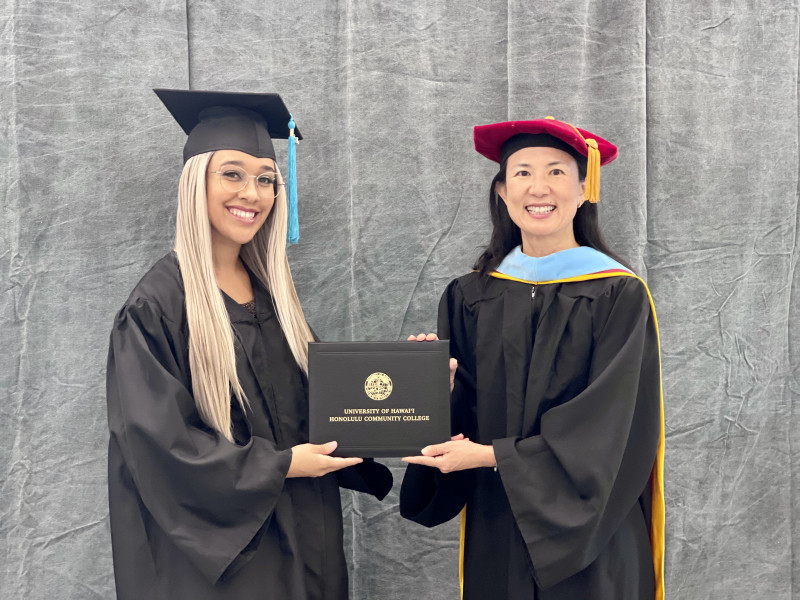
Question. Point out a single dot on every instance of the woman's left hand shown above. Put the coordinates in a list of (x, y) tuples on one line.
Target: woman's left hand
[(456, 455)]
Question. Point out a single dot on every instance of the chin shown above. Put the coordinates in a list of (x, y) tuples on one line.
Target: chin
[(239, 237), (544, 232)]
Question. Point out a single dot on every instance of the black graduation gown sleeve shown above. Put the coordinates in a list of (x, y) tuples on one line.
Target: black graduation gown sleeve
[(571, 486), (198, 486), (428, 496), (368, 476)]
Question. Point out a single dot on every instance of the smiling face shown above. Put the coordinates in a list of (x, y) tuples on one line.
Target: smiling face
[(235, 217), (542, 193)]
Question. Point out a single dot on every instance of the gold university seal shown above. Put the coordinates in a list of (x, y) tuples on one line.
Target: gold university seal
[(378, 386)]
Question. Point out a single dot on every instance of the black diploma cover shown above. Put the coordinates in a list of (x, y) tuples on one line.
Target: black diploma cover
[(379, 398)]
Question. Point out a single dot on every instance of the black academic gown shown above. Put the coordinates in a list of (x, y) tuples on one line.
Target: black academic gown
[(565, 384), (193, 515)]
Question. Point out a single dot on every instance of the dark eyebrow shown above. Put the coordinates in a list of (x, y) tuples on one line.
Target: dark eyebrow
[(239, 163), (551, 164)]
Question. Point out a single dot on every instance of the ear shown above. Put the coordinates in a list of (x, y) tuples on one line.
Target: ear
[(500, 189), (582, 196)]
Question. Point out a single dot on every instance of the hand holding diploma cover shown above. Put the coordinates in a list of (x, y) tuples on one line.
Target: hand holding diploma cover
[(379, 399)]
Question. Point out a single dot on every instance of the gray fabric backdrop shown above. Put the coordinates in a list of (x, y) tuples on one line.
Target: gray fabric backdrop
[(702, 98)]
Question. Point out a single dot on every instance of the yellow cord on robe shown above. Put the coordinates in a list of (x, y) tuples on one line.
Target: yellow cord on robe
[(461, 539)]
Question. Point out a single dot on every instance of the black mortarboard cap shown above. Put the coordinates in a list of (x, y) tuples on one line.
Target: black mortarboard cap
[(237, 121), (228, 121)]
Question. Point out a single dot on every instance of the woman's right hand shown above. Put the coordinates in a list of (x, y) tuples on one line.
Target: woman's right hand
[(430, 337), (312, 460)]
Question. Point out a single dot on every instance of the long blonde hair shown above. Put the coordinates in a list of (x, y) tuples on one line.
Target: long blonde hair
[(212, 358)]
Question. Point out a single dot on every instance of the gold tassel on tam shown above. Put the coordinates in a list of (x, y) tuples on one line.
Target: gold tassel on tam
[(592, 166), (593, 172)]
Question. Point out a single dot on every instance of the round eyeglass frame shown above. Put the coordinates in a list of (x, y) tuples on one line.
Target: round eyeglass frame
[(234, 187)]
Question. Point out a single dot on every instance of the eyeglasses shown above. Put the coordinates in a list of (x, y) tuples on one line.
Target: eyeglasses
[(234, 179)]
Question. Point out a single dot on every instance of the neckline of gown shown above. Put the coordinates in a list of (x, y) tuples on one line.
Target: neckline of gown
[(572, 262), (264, 309)]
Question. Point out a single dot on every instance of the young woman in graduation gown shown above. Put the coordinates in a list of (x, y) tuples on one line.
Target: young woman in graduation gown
[(556, 462), (214, 491)]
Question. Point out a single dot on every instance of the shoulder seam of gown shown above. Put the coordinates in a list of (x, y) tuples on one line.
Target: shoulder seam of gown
[(153, 305)]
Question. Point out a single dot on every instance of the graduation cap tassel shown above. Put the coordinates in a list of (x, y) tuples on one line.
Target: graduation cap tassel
[(293, 233), (593, 172)]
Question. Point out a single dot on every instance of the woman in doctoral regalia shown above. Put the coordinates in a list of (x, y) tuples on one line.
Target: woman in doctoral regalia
[(214, 491), (556, 465)]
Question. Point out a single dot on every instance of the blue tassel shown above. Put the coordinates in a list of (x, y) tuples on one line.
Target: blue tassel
[(293, 233)]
